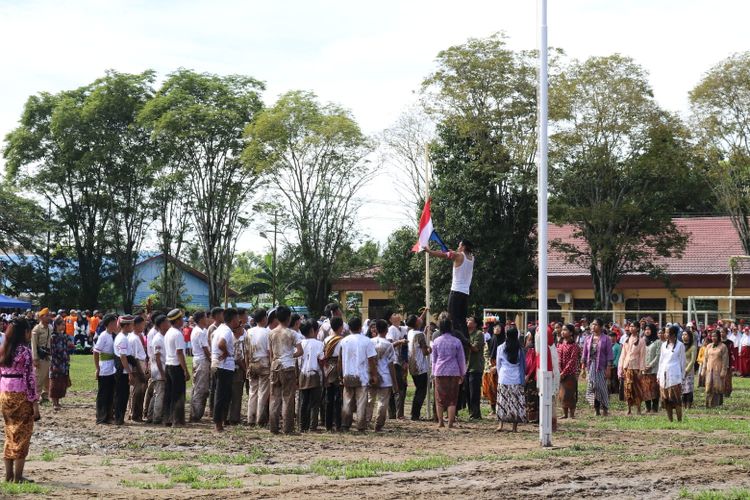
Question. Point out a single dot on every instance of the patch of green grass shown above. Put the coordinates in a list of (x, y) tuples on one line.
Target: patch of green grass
[(49, 456), (743, 463), (700, 424), (170, 455), (262, 470), (337, 469), (23, 489), (145, 485), (657, 455), (731, 494), (215, 484), (106, 462), (237, 459)]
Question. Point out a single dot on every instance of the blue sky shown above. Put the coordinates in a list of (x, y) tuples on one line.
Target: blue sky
[(367, 56)]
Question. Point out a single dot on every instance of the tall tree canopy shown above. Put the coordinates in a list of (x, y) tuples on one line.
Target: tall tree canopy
[(721, 112), (616, 159), (198, 120), (316, 156), (483, 96), (73, 148)]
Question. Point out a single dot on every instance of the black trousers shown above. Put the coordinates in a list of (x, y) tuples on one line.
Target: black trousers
[(458, 307), (309, 407), (122, 394), (105, 396), (222, 394), (475, 394), (398, 399), (333, 407), (420, 392), (174, 392)]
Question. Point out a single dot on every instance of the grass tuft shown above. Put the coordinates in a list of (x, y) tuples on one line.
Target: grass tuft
[(731, 494), (238, 459), (23, 489), (49, 456), (145, 485)]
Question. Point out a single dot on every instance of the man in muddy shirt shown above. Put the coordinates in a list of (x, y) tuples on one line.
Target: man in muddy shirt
[(284, 347), (358, 366)]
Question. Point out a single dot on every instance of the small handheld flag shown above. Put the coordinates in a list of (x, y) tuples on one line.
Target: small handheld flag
[(426, 230)]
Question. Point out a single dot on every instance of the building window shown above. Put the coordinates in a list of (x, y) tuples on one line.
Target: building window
[(646, 305), (378, 308), (709, 310)]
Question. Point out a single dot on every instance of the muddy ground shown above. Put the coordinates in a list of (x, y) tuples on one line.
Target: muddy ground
[(592, 457)]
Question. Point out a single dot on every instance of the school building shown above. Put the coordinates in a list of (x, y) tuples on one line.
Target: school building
[(703, 270)]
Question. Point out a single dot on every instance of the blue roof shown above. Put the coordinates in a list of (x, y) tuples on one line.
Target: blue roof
[(11, 303)]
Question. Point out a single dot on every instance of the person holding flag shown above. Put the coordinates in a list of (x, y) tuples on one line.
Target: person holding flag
[(463, 267)]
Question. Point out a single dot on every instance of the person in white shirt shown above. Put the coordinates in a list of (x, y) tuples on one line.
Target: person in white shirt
[(310, 377), (258, 369), (358, 367), (386, 361), (418, 361), (201, 366), (332, 310), (463, 272), (176, 370), (240, 369), (670, 373), (155, 411), (222, 355), (124, 372), (397, 335), (139, 378), (284, 347), (149, 357), (104, 361), (217, 317)]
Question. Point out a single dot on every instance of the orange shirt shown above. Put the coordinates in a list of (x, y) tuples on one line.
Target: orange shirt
[(93, 324), (70, 324)]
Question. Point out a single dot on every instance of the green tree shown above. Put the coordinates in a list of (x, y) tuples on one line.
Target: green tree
[(197, 121), (316, 156), (402, 271), (720, 105), (614, 166), (69, 148), (483, 96)]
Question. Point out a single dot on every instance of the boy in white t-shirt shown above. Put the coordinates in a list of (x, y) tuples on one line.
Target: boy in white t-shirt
[(311, 376), (380, 393), (358, 366), (418, 361)]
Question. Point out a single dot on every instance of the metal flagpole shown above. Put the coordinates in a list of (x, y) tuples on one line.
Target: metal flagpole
[(427, 281), (545, 393)]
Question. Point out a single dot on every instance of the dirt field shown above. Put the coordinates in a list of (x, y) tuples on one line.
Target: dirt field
[(618, 456)]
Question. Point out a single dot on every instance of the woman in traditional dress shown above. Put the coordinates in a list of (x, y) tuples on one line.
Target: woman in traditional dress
[(632, 364), (59, 368), (489, 377), (615, 382), (649, 383), (568, 353), (19, 400), (597, 361), (732, 363), (744, 353), (531, 391), (688, 380), (671, 372), (448, 369), (510, 364), (714, 369)]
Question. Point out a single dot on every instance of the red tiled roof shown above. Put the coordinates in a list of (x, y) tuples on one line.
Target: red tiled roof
[(713, 240)]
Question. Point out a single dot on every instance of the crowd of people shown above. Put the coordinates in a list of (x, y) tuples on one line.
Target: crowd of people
[(300, 374)]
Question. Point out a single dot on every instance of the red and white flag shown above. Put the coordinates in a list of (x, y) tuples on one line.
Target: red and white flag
[(425, 228)]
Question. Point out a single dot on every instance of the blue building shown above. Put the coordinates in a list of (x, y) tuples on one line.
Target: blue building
[(195, 282)]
